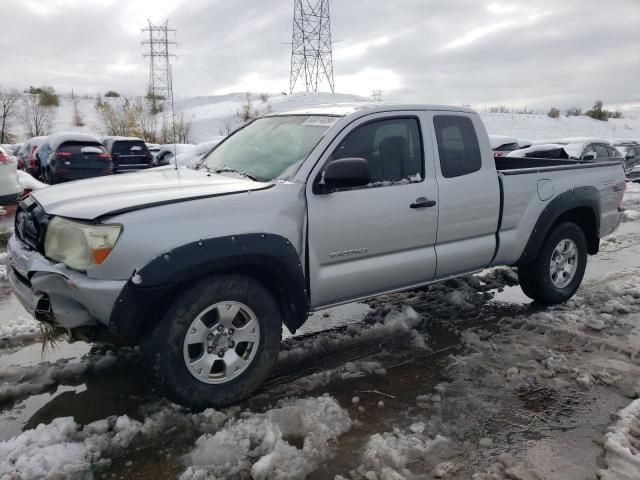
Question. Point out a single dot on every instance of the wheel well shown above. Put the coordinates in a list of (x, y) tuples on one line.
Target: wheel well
[(585, 218), (265, 276)]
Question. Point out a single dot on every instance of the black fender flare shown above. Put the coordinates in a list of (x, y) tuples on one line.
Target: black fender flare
[(576, 198), (272, 259)]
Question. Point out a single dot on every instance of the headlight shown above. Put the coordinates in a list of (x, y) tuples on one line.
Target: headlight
[(79, 245)]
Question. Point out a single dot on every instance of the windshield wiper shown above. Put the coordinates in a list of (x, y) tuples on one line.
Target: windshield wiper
[(233, 170)]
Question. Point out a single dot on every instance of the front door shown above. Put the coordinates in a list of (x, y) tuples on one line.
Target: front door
[(380, 237)]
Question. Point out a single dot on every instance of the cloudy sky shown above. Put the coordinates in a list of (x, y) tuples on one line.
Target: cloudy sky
[(534, 53)]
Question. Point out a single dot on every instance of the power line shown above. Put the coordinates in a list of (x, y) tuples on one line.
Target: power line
[(160, 85), (311, 45)]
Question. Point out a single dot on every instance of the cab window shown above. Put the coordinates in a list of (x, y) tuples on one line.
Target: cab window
[(393, 149)]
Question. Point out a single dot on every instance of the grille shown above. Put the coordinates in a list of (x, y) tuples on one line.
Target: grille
[(31, 224)]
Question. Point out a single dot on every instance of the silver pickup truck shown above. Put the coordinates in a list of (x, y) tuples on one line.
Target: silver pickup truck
[(293, 213)]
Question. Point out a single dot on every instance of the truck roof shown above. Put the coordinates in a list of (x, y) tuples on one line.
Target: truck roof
[(344, 109)]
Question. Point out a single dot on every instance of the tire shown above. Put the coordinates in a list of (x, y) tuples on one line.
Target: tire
[(180, 365), (48, 178), (557, 272)]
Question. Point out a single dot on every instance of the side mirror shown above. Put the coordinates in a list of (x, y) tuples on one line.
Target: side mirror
[(345, 173), (589, 157)]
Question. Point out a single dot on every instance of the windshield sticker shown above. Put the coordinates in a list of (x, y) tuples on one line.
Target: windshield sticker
[(316, 121)]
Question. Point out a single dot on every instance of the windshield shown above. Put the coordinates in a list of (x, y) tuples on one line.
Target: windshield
[(271, 147)]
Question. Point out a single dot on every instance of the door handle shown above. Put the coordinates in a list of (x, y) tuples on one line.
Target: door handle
[(423, 203)]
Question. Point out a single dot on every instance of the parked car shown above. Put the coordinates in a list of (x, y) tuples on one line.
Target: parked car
[(27, 156), (630, 151), (167, 152), (192, 157), (580, 149), (154, 148), (10, 187), (129, 154), (293, 213), (75, 156), (502, 145)]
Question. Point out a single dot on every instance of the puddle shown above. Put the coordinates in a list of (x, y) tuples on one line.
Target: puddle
[(14, 421), (331, 318)]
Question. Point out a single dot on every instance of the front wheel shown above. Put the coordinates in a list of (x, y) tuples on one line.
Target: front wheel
[(555, 275), (217, 343)]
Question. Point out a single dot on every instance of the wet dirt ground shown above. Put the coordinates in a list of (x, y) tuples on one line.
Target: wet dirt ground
[(552, 432)]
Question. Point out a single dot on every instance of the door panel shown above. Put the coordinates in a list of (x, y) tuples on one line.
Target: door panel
[(468, 194), (370, 240)]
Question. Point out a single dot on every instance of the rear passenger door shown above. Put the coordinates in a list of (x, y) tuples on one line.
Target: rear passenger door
[(380, 237), (468, 194)]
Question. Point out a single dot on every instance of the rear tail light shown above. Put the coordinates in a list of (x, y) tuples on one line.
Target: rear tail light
[(104, 156), (63, 154), (4, 160), (498, 154)]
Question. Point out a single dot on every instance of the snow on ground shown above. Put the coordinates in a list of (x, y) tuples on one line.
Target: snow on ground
[(65, 449), (541, 127), (212, 116), (258, 445), (622, 446), (632, 196), (21, 330)]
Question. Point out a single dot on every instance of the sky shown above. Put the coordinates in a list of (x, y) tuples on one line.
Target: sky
[(534, 53)]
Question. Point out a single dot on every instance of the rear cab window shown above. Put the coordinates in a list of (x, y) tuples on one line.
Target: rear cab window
[(458, 145)]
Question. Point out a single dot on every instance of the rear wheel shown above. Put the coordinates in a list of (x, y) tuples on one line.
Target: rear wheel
[(48, 177), (217, 343), (555, 275)]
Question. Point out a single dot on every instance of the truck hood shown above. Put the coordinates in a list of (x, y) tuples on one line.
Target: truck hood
[(103, 196)]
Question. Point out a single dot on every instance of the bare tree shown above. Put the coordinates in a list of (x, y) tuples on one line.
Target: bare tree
[(228, 126), (8, 108), (246, 112), (36, 119), (120, 117), (147, 121)]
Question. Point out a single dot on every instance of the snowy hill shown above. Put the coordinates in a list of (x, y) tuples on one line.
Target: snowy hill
[(215, 115)]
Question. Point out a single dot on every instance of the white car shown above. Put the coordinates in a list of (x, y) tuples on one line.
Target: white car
[(167, 152), (587, 149), (10, 187), (192, 157), (502, 145)]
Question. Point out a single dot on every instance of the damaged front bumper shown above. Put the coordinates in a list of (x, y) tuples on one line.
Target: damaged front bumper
[(55, 294)]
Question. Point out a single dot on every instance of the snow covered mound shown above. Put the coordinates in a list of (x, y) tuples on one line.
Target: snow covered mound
[(218, 115), (257, 446), (65, 449), (622, 446)]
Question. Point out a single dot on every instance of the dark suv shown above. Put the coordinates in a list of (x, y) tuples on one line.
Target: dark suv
[(74, 157), (129, 154)]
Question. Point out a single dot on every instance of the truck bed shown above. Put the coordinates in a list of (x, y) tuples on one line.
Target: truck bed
[(528, 185)]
